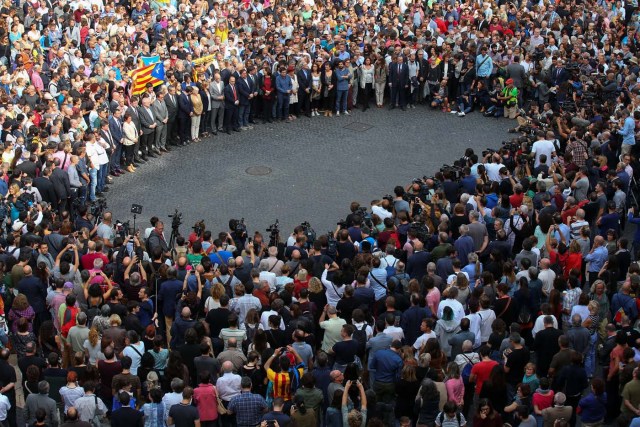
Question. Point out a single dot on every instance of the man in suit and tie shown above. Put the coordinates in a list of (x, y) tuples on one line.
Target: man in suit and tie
[(398, 83), (171, 102), (161, 114), (148, 122), (231, 103), (517, 73), (135, 118), (216, 90), (115, 128), (304, 89), (61, 185), (185, 111), (255, 101), (245, 91), (110, 147)]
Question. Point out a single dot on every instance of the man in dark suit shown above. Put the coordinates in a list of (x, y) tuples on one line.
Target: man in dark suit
[(398, 83), (231, 103), (417, 262), (45, 187), (517, 73), (171, 101), (115, 128), (185, 111), (160, 113), (126, 416), (148, 122), (61, 185), (255, 101), (105, 134), (245, 95), (135, 117), (304, 89)]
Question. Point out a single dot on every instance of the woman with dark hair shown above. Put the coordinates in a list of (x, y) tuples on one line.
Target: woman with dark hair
[(21, 309), (205, 398), (301, 415), (333, 415), (522, 398), (329, 81), (438, 357), (22, 336), (495, 388), (505, 307), (427, 403), (175, 369), (486, 416)]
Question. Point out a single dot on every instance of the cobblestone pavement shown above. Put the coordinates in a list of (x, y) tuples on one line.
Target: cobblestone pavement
[(315, 168)]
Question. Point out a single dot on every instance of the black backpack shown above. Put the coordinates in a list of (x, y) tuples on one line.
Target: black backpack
[(360, 336), (441, 418)]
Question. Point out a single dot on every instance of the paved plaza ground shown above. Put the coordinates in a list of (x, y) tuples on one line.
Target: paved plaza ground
[(314, 168)]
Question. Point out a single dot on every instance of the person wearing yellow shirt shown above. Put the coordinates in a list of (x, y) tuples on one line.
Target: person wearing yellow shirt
[(282, 379)]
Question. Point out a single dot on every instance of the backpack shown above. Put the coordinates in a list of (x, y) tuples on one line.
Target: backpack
[(524, 315), (360, 336), (391, 269), (458, 417), (69, 320), (92, 312), (466, 371), (402, 283), (294, 378)]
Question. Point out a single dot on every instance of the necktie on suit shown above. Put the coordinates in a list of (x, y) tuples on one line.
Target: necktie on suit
[(235, 96)]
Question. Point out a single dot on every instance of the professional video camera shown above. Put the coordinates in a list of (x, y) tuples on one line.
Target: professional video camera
[(240, 228), (97, 209), (274, 233), (123, 229), (309, 233), (455, 172), (487, 152), (365, 215), (332, 245), (176, 219), (342, 223), (388, 197), (421, 230)]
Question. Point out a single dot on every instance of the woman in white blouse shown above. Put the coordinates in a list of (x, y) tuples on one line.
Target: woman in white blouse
[(366, 82), (129, 139)]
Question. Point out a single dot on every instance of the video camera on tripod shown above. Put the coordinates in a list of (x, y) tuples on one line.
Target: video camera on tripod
[(176, 221), (309, 233), (274, 233)]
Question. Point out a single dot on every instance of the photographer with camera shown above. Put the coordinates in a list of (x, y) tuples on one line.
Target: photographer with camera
[(157, 240)]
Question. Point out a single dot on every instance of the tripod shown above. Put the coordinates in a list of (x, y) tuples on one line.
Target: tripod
[(174, 233)]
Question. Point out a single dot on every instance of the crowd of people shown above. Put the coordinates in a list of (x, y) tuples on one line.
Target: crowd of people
[(500, 290)]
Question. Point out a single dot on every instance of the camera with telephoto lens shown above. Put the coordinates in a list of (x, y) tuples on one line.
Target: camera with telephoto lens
[(342, 223), (421, 230), (239, 228)]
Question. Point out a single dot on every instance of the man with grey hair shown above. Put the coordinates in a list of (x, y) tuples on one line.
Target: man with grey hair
[(173, 398), (229, 384), (464, 244), (42, 400), (232, 354), (275, 265), (161, 115), (266, 275), (478, 232), (78, 333), (578, 335)]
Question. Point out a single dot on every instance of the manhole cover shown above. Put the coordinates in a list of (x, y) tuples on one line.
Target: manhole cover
[(358, 127), (258, 170)]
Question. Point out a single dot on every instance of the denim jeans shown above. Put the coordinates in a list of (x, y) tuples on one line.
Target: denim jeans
[(102, 177), (341, 100), (243, 115), (283, 106), (93, 175)]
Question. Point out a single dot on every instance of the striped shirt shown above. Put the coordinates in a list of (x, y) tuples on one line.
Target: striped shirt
[(281, 383)]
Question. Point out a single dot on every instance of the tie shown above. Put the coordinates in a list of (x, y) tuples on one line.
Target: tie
[(173, 100), (235, 97), (399, 70)]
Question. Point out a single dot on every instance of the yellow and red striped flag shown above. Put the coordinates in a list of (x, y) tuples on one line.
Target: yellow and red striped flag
[(153, 73)]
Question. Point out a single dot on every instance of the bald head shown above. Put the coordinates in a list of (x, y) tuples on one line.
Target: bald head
[(232, 343), (185, 313), (227, 367), (72, 413), (239, 261), (27, 270)]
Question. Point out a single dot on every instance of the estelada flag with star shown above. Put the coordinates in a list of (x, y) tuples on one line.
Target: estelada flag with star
[(153, 73)]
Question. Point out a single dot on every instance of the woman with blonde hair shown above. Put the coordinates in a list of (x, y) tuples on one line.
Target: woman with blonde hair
[(198, 108), (213, 302), (92, 346), (354, 418)]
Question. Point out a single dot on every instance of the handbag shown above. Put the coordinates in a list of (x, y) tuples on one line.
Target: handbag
[(221, 408)]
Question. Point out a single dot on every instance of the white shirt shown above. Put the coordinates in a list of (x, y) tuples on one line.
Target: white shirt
[(264, 320), (228, 386), (395, 332), (270, 278), (169, 400), (381, 212), (543, 147), (493, 171), (4, 407), (422, 339), (488, 316)]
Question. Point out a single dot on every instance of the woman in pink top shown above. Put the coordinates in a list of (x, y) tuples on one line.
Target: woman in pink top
[(205, 398), (433, 294), (454, 384), (542, 398)]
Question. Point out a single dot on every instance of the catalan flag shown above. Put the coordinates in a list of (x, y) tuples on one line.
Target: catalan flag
[(153, 74), (148, 60)]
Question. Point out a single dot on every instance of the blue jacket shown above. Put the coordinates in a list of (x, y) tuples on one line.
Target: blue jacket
[(283, 84), (387, 364), (343, 79), (167, 296), (484, 65), (627, 303), (593, 408), (628, 131)]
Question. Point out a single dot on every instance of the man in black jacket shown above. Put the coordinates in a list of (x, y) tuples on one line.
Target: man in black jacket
[(46, 187), (61, 185), (126, 416), (304, 89)]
